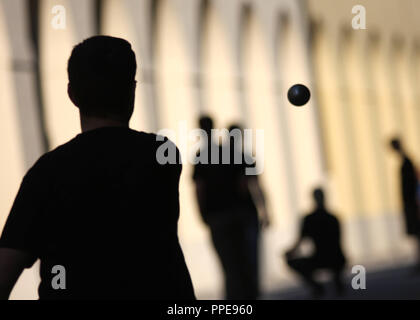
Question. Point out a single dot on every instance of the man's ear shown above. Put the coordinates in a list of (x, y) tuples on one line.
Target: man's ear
[(71, 95)]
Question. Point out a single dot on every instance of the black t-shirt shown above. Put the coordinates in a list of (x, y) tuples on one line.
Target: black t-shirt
[(408, 182), (323, 229), (102, 207), (409, 197)]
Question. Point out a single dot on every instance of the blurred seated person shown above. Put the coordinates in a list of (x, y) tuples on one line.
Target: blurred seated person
[(323, 228)]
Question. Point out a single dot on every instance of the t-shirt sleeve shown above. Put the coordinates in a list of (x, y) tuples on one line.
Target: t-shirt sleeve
[(171, 172), (22, 230)]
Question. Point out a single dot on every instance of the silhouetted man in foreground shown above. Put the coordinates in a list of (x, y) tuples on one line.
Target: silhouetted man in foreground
[(100, 205), (323, 229), (227, 206), (409, 194)]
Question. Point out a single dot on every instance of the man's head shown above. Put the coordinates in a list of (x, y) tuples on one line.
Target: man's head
[(235, 126), (319, 197), (206, 124), (101, 72), (396, 145)]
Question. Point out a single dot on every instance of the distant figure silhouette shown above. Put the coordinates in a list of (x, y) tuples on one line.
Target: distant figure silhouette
[(100, 205), (323, 229), (409, 194), (228, 208)]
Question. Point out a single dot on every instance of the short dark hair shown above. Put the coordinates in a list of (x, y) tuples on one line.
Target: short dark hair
[(235, 126), (101, 72), (318, 194), (206, 123), (396, 144)]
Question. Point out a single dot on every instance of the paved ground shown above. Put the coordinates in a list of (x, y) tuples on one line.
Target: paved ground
[(399, 283)]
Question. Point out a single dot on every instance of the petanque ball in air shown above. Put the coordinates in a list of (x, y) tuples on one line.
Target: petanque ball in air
[(298, 95)]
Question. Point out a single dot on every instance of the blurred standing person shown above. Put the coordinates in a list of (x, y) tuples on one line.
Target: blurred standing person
[(409, 194), (250, 207), (228, 210)]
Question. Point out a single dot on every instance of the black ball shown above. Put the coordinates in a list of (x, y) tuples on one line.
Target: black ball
[(298, 95)]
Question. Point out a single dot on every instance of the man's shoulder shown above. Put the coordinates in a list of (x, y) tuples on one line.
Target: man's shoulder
[(315, 217), (162, 149), (48, 159), (407, 163), (333, 218), (50, 156), (307, 217), (153, 143), (152, 138), (146, 138), (54, 155)]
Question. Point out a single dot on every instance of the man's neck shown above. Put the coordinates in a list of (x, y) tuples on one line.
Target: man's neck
[(92, 123)]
